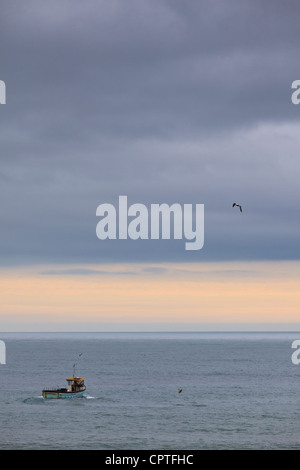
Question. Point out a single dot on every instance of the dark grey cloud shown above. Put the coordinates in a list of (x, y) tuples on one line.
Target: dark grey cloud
[(163, 101)]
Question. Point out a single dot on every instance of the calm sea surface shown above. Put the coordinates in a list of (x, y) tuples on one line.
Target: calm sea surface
[(239, 391)]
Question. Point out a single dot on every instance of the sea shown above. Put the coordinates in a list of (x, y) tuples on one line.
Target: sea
[(239, 390)]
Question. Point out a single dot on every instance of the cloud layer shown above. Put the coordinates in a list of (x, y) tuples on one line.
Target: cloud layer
[(162, 101)]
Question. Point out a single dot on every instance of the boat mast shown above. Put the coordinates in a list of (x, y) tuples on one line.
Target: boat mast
[(79, 355)]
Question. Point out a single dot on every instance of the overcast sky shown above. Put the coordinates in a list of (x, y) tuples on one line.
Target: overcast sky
[(160, 100)]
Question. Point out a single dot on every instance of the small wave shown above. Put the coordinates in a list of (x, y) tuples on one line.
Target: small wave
[(33, 400)]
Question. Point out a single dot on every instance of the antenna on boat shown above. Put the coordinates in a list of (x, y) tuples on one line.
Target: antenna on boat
[(75, 365)]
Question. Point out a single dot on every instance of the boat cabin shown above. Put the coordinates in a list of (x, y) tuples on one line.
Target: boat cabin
[(75, 384)]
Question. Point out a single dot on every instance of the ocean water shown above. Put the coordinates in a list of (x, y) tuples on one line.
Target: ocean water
[(239, 391)]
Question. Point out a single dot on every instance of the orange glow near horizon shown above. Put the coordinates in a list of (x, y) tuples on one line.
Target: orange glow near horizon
[(170, 293)]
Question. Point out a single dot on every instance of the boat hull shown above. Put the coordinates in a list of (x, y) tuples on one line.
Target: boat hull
[(49, 394)]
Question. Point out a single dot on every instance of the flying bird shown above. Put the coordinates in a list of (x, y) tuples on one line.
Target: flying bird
[(238, 205)]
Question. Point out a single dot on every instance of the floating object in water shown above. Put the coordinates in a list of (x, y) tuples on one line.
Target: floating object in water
[(74, 389)]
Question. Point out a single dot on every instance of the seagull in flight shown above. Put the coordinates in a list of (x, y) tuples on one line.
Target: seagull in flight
[(238, 205)]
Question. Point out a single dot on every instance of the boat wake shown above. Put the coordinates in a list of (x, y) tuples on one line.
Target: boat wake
[(33, 400), (37, 400)]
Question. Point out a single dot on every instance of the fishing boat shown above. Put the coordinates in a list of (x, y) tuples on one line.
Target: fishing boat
[(75, 389)]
